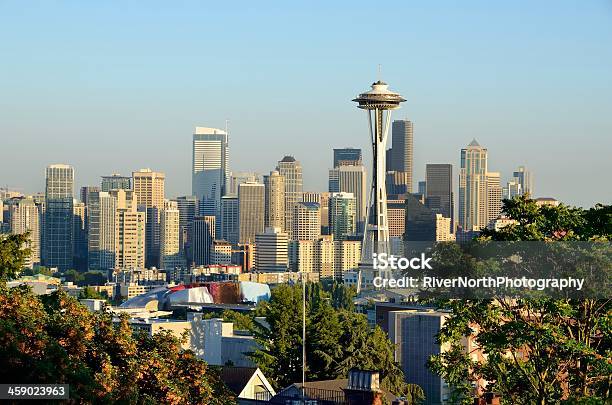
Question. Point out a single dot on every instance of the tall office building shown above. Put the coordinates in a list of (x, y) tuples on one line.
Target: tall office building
[(422, 187), (101, 231), (347, 156), (275, 200), (210, 169), (291, 170), (230, 221), (420, 223), (396, 212), (116, 182), (443, 226), (129, 231), (402, 150), (86, 190), (323, 200), (306, 223), (271, 252), (188, 209), (513, 189), (58, 216), (473, 188), (170, 254), (149, 188), (203, 237), (221, 252), (494, 196), (237, 178), (251, 210), (342, 215), (24, 217), (351, 179), (79, 235), (525, 179), (439, 191)]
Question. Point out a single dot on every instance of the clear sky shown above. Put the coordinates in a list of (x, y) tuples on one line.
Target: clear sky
[(114, 86)]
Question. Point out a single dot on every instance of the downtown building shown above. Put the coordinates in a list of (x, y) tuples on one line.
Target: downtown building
[(101, 217), (24, 217), (149, 188), (115, 182), (170, 252), (291, 170), (400, 155), (351, 179), (473, 188), (58, 212), (251, 211), (342, 215), (203, 236), (274, 200), (130, 231), (272, 247), (210, 170), (439, 191)]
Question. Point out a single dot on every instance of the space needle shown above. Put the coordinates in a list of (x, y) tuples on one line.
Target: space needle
[(378, 102)]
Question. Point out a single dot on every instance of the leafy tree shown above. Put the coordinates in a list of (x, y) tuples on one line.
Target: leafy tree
[(12, 255), (337, 341), (90, 293), (538, 350), (54, 339)]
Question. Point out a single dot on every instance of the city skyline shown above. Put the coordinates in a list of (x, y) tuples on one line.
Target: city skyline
[(79, 96)]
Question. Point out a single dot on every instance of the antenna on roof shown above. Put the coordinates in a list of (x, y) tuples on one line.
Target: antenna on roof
[(379, 72), (226, 126)]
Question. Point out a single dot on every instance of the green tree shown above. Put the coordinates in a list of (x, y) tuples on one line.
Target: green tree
[(337, 341), (538, 350), (90, 293), (55, 339), (12, 255)]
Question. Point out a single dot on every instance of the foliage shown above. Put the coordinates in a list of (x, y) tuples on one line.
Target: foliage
[(337, 341), (538, 350), (12, 255), (54, 339), (90, 293), (241, 321)]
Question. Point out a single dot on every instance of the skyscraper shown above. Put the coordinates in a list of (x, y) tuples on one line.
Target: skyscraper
[(351, 179), (342, 216), (347, 156), (79, 235), (494, 196), (275, 200), (188, 209), (251, 200), (237, 178), (203, 237), (271, 252), (170, 254), (24, 217), (101, 231), (149, 187), (513, 189), (473, 188), (439, 190), (402, 150), (291, 170), (129, 231), (115, 182), (306, 221), (58, 216), (525, 179), (210, 169), (230, 221)]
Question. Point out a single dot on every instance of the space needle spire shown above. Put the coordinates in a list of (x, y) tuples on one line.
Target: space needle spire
[(378, 102)]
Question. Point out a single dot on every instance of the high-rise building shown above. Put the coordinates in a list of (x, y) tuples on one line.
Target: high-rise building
[(347, 256), (188, 209), (525, 179), (170, 254), (291, 170), (342, 215), (210, 169), (271, 250), (237, 178), (149, 188), (86, 190), (347, 156), (422, 187), (302, 255), (351, 179), (203, 237), (275, 200), (24, 217), (221, 252), (443, 233), (396, 211), (306, 221), (58, 216), (420, 225), (402, 150), (513, 189), (129, 231), (79, 235), (116, 182), (413, 335), (494, 196), (251, 200), (323, 200), (230, 219), (439, 191), (101, 231), (473, 188)]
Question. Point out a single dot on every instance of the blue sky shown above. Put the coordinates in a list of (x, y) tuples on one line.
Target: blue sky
[(116, 86)]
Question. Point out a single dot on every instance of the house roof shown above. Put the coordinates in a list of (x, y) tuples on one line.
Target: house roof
[(238, 378), (324, 386)]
